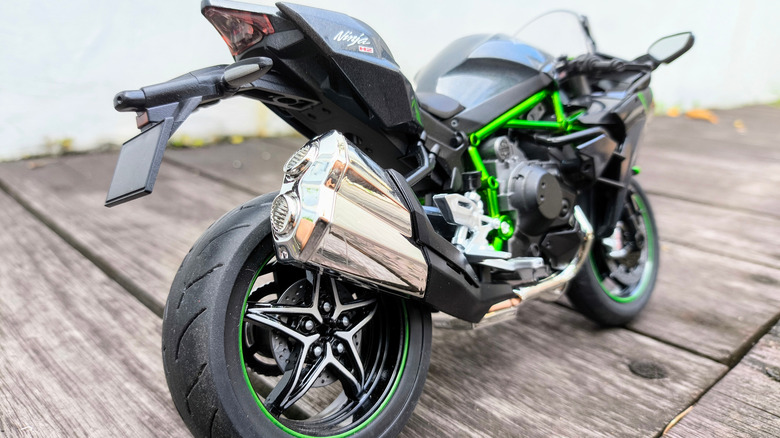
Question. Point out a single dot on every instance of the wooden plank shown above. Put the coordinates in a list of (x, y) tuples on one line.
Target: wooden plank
[(715, 164), (757, 138), (709, 303), (148, 239), (144, 240), (254, 166), (553, 373), (746, 402), (718, 415), (78, 355), (719, 230), (686, 158)]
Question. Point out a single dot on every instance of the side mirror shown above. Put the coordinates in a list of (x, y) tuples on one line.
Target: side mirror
[(669, 48)]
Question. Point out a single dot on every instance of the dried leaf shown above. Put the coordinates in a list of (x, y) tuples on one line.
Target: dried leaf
[(739, 125), (676, 419), (702, 114)]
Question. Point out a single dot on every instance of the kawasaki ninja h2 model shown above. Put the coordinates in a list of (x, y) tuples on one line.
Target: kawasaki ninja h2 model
[(507, 174)]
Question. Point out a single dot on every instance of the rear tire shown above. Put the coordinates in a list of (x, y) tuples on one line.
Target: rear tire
[(613, 290), (218, 387)]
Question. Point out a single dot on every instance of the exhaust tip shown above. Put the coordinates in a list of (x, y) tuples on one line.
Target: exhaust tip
[(300, 160), (284, 210)]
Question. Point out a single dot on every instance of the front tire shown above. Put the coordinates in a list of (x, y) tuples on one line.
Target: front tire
[(618, 278), (255, 348)]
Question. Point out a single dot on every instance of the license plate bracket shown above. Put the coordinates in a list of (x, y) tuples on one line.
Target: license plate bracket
[(138, 163)]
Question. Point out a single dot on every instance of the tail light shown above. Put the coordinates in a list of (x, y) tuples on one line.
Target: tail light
[(240, 29)]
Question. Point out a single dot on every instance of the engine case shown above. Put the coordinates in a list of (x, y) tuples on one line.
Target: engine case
[(537, 196)]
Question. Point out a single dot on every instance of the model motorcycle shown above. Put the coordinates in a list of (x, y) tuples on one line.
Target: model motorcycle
[(507, 174)]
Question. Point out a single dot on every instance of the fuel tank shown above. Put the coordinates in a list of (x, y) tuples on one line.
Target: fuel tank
[(487, 74)]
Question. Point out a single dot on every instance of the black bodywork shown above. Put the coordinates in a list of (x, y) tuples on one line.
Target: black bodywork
[(326, 70), (321, 81)]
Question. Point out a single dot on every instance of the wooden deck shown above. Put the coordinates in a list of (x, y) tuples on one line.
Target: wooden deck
[(82, 289)]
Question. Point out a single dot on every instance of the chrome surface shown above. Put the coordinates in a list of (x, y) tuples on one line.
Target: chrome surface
[(427, 163), (300, 160), (617, 249), (506, 312), (283, 212), (515, 264), (466, 211), (351, 220), (548, 288), (558, 280)]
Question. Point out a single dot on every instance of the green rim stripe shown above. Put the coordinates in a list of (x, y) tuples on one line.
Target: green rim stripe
[(649, 264), (271, 417)]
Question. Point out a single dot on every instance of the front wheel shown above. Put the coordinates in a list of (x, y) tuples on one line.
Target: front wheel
[(252, 347), (617, 280)]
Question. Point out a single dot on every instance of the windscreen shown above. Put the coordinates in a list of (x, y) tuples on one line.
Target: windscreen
[(559, 33)]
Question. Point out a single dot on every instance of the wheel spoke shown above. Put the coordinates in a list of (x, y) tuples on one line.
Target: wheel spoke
[(352, 388), (348, 336), (618, 281), (281, 309), (294, 384), (340, 307), (279, 399), (260, 318), (315, 339)]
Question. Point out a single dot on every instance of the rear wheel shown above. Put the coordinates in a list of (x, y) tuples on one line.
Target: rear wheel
[(252, 347), (618, 278)]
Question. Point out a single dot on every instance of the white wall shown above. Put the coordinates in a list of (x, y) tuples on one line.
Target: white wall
[(61, 62)]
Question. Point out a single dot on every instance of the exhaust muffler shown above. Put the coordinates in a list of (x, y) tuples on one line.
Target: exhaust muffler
[(339, 211)]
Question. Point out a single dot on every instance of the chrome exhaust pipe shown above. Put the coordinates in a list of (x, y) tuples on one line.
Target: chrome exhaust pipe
[(338, 211), (561, 278), (506, 310)]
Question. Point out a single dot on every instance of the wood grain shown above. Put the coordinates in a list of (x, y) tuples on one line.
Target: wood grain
[(553, 373), (715, 164), (78, 355), (719, 230), (745, 403), (145, 240), (709, 303), (254, 166)]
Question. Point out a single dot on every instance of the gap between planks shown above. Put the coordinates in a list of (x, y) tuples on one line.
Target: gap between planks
[(145, 299), (210, 176), (111, 272), (738, 359), (729, 255), (712, 204)]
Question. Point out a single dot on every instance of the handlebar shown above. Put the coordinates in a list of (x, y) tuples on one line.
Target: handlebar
[(595, 65)]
